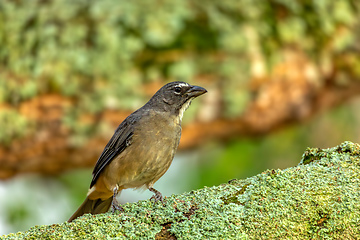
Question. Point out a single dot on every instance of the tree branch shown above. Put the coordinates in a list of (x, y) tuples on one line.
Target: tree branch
[(282, 99)]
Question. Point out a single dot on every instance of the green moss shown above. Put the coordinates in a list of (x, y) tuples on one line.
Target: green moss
[(314, 200), (233, 198), (313, 154)]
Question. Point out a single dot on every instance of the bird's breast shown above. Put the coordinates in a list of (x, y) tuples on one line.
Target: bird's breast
[(157, 138), (153, 146)]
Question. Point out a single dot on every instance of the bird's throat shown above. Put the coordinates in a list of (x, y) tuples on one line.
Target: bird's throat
[(183, 109)]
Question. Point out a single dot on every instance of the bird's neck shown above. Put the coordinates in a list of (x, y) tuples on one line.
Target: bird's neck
[(168, 110)]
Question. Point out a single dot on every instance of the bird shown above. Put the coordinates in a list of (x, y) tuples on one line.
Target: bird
[(141, 149)]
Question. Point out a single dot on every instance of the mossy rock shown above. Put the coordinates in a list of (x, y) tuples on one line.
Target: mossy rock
[(318, 199)]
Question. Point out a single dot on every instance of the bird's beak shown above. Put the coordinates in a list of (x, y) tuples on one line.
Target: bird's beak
[(195, 91)]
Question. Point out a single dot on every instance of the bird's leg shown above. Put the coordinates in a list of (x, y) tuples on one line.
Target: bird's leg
[(158, 196), (115, 205)]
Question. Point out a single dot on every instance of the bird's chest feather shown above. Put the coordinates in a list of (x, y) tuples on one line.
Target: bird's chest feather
[(157, 134), (150, 153)]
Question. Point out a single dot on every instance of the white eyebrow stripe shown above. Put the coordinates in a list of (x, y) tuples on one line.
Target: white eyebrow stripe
[(182, 85)]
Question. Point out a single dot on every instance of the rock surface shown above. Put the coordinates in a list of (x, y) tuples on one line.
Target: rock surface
[(318, 199)]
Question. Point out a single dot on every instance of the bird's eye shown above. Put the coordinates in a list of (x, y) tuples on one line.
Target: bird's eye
[(177, 90)]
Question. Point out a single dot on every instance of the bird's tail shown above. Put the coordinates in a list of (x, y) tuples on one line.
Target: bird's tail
[(92, 206)]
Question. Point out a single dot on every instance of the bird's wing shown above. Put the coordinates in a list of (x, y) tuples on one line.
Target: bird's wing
[(119, 141)]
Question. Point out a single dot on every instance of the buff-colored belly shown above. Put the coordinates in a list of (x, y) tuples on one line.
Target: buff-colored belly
[(143, 162)]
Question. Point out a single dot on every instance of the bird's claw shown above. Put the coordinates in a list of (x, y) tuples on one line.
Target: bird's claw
[(157, 196), (115, 207)]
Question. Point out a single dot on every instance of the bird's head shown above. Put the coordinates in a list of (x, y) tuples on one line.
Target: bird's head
[(175, 97)]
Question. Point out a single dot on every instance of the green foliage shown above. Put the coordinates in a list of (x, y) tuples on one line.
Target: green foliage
[(16, 214), (76, 184), (100, 52), (16, 126), (85, 47)]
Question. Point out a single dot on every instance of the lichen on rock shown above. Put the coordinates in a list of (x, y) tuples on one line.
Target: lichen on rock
[(317, 199)]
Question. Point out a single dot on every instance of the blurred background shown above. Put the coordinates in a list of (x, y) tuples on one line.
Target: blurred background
[(281, 75)]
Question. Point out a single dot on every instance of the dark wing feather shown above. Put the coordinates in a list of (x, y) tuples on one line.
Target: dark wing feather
[(117, 144)]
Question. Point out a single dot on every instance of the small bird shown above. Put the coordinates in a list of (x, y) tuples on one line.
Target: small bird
[(141, 149)]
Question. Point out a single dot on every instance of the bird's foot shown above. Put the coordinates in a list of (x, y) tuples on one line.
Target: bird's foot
[(157, 196), (115, 204)]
